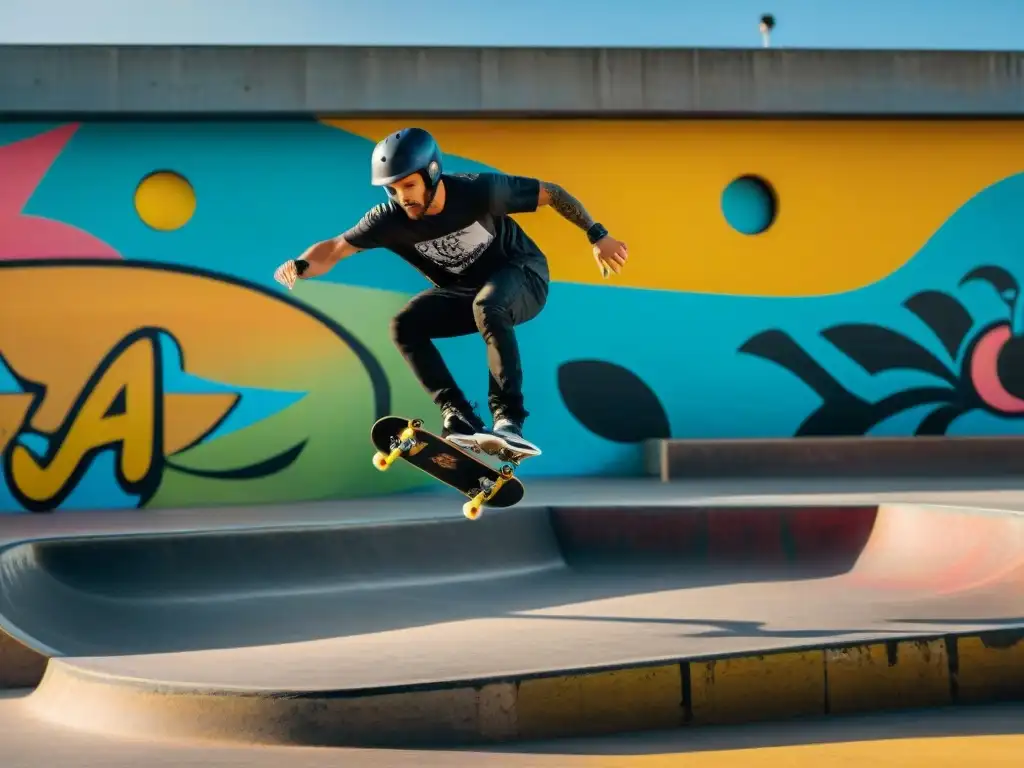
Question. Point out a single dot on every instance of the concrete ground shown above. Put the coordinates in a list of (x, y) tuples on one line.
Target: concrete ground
[(979, 737)]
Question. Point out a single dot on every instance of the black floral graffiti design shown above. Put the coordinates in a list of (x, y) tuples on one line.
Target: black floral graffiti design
[(611, 401), (985, 368)]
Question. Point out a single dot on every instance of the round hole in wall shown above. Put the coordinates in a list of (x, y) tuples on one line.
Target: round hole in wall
[(165, 200), (749, 204)]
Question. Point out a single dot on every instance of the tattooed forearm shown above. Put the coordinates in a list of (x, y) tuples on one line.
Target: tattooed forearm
[(567, 206)]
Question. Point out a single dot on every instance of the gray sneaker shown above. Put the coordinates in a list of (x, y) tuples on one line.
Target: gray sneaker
[(511, 433)]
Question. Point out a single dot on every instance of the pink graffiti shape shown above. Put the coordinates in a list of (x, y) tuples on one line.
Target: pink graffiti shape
[(985, 372), (23, 165)]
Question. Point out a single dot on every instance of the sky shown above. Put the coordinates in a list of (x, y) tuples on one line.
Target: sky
[(915, 24)]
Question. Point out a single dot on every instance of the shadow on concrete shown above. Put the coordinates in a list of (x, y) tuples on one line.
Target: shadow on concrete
[(723, 629)]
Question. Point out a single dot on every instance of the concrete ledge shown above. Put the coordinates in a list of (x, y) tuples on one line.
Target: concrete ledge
[(813, 457), (38, 80), (885, 674)]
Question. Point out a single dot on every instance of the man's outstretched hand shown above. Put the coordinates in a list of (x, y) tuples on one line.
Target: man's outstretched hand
[(610, 254)]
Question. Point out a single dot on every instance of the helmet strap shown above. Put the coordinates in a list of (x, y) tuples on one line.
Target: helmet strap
[(428, 198)]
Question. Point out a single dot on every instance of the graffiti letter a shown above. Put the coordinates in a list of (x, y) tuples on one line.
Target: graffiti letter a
[(118, 408)]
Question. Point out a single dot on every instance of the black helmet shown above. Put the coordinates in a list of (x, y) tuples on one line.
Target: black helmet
[(404, 152)]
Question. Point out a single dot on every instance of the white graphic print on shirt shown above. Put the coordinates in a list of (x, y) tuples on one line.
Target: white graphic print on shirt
[(457, 250)]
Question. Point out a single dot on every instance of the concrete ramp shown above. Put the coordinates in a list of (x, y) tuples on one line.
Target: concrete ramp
[(532, 622), (917, 552), (166, 593)]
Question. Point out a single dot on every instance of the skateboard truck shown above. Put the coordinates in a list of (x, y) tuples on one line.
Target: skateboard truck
[(488, 488), (405, 442)]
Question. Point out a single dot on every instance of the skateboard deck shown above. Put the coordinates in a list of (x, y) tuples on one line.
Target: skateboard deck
[(396, 437)]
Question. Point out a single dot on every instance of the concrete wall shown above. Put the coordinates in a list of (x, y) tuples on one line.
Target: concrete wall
[(149, 360), (447, 81)]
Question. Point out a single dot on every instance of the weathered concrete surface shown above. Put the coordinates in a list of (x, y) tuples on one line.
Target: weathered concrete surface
[(282, 80)]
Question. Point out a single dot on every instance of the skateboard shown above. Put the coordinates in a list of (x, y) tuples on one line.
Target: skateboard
[(395, 437)]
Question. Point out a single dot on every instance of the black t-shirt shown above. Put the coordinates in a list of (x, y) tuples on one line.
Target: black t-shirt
[(469, 239)]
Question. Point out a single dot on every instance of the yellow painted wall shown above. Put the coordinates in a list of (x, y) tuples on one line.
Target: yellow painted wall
[(857, 199)]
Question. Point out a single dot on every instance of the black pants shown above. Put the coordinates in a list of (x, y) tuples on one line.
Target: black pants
[(510, 297)]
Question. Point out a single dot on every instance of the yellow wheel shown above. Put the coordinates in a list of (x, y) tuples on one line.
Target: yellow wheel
[(507, 470), (383, 460), (472, 508)]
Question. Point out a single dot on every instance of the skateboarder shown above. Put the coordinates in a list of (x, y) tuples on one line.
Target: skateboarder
[(488, 275)]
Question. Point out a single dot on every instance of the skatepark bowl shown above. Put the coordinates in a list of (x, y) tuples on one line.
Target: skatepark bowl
[(604, 608)]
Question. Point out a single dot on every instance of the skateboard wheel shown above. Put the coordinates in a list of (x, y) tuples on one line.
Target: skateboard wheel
[(416, 423), (381, 461), (472, 508), (507, 470)]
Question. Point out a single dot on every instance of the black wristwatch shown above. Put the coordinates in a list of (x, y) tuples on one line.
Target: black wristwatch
[(301, 265), (596, 232)]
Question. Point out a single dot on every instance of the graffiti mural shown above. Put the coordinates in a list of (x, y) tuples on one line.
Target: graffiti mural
[(148, 359)]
